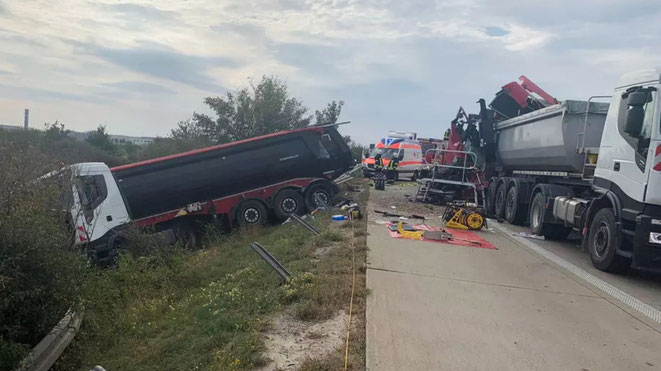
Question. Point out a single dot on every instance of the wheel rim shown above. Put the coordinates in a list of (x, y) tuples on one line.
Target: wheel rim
[(510, 203), (475, 221), (251, 215), (536, 219), (322, 196), (601, 240), (289, 205), (499, 200)]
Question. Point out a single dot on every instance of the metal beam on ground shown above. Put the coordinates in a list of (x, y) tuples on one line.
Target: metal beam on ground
[(273, 262)]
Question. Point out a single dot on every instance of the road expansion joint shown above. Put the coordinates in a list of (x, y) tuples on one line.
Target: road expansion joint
[(482, 282)]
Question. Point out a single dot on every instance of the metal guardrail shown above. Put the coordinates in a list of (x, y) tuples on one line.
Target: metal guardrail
[(49, 349), (305, 224), (273, 262)]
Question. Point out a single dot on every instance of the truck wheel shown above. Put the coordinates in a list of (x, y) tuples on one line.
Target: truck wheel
[(323, 191), (537, 210), (415, 176), (537, 225), (188, 235), (491, 196), (602, 243), (286, 202), (513, 210), (499, 204), (251, 212)]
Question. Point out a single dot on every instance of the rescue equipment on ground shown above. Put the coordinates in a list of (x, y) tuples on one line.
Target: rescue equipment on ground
[(464, 215)]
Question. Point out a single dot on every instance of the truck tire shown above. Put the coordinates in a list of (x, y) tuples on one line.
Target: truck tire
[(251, 212), (602, 243), (188, 235), (286, 202), (499, 201), (323, 191), (491, 197), (537, 225), (514, 213)]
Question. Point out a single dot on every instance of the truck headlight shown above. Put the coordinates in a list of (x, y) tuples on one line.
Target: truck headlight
[(655, 238), (656, 221)]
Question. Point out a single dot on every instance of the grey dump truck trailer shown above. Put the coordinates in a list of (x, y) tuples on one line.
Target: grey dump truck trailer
[(586, 166)]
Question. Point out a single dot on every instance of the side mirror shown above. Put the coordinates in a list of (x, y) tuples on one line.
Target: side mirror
[(633, 121), (400, 157)]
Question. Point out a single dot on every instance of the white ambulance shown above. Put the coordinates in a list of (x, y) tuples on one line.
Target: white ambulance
[(412, 163)]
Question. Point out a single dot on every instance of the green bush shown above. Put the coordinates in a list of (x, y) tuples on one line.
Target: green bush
[(41, 275)]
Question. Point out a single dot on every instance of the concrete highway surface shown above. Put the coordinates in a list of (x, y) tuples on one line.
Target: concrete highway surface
[(529, 305)]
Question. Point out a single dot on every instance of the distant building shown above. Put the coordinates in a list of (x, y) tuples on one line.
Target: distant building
[(121, 139), (10, 127)]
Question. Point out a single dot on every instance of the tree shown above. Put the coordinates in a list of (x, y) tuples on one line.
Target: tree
[(252, 111), (56, 131), (330, 114), (100, 139)]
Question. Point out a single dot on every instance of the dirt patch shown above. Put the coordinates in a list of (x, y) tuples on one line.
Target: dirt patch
[(290, 342)]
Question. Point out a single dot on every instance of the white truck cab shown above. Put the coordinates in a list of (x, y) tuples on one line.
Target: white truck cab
[(98, 207), (630, 157)]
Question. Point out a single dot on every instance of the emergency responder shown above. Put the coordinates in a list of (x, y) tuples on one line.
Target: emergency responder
[(392, 167), (379, 178), (446, 136), (378, 164)]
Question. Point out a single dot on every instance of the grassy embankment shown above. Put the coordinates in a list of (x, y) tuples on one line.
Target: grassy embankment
[(209, 309)]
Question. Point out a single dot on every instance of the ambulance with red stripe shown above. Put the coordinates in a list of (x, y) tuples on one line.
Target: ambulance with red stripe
[(398, 144)]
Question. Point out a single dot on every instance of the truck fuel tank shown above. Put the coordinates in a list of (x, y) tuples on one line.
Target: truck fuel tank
[(569, 210)]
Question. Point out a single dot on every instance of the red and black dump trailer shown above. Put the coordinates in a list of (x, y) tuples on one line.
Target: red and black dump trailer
[(239, 183)]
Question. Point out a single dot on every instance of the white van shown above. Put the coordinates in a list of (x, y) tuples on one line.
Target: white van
[(412, 163)]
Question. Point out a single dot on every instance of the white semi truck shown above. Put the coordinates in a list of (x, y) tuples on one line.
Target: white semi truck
[(586, 166)]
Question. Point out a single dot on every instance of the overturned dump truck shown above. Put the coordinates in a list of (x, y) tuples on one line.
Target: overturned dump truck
[(240, 183), (591, 167)]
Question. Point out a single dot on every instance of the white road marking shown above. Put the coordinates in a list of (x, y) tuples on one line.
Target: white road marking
[(634, 303)]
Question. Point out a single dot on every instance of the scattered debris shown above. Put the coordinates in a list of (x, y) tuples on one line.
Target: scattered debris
[(305, 224), (528, 235), (273, 262), (321, 204), (391, 215)]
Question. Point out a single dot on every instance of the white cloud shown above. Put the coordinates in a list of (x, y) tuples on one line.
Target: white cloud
[(86, 62), (521, 38)]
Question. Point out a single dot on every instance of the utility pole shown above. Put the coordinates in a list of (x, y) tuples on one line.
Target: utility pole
[(26, 121)]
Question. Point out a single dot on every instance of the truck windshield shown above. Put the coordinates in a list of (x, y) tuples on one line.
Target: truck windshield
[(92, 191)]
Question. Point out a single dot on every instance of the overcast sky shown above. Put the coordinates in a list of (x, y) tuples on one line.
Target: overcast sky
[(141, 66)]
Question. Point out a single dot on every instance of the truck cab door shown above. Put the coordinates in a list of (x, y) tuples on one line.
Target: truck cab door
[(624, 158), (99, 206), (653, 194)]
